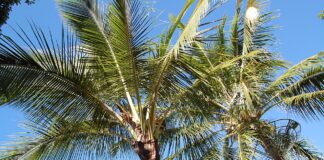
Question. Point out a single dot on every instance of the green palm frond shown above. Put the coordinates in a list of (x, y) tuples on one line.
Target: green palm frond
[(235, 30), (188, 134), (128, 29), (63, 140), (246, 145), (229, 152), (299, 69), (114, 38), (196, 147), (48, 76), (303, 150), (175, 67), (281, 140), (3, 97), (189, 32), (301, 87)]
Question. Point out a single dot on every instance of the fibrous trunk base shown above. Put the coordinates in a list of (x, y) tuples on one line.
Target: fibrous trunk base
[(147, 149)]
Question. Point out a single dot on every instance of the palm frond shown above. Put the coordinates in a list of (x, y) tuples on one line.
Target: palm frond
[(93, 29), (301, 87), (169, 65), (128, 28), (195, 147), (47, 76), (246, 145), (64, 140), (190, 30), (303, 150)]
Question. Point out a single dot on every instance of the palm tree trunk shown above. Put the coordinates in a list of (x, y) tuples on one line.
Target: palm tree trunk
[(271, 150), (147, 149)]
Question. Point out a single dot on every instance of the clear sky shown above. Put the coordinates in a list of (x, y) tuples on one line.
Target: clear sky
[(300, 35)]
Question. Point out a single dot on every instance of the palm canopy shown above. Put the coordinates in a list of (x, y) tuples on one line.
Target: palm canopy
[(250, 88), (111, 89)]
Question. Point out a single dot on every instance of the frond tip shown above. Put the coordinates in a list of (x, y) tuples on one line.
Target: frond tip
[(302, 87)]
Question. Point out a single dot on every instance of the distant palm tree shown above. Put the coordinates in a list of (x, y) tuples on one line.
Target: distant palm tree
[(250, 89), (110, 91)]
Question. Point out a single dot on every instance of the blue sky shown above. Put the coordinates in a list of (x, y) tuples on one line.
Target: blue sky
[(300, 35)]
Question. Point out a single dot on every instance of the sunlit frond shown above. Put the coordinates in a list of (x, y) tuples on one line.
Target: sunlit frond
[(301, 87), (303, 150), (47, 76), (63, 140), (186, 146), (93, 27)]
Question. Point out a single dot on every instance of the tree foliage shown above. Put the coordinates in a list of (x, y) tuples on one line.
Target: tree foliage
[(6, 6)]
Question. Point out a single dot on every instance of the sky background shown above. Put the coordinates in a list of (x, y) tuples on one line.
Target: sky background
[(300, 34)]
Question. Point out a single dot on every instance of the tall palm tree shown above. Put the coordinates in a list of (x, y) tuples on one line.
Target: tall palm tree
[(109, 91), (250, 89)]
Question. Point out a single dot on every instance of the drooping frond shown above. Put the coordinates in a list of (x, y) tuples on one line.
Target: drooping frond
[(191, 142), (303, 150), (301, 87), (64, 140), (246, 145), (47, 76)]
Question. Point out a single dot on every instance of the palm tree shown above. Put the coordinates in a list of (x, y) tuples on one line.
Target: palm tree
[(249, 89), (110, 91)]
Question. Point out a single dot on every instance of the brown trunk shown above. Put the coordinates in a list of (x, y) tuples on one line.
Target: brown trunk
[(147, 149), (271, 150)]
